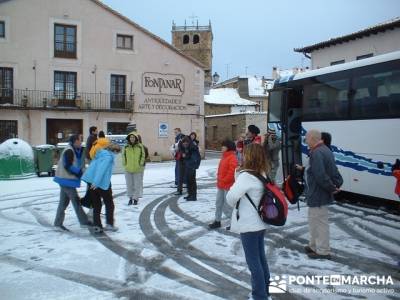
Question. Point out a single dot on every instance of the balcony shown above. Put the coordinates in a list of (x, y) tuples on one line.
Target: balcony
[(64, 50), (50, 100)]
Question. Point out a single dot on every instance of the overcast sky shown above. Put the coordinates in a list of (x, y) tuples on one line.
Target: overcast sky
[(259, 34)]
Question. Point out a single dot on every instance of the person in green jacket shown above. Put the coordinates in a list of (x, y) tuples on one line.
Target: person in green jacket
[(133, 160)]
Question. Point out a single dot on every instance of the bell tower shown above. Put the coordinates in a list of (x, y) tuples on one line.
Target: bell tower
[(196, 41)]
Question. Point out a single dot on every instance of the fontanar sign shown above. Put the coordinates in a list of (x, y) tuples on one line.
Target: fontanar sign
[(163, 84)]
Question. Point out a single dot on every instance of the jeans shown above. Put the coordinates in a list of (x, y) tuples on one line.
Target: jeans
[(176, 172), (191, 182), (67, 194), (254, 250), (181, 174)]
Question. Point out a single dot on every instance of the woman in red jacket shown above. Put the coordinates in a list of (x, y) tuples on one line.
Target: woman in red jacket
[(225, 179)]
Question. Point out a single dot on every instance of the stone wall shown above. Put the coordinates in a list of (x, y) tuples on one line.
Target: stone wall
[(219, 128), (212, 109)]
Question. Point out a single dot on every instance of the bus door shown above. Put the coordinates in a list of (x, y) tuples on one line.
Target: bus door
[(291, 129)]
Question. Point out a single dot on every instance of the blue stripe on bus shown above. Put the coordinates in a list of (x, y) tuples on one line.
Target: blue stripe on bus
[(354, 161)]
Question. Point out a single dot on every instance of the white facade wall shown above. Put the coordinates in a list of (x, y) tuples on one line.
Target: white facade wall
[(243, 108), (383, 42), (29, 43)]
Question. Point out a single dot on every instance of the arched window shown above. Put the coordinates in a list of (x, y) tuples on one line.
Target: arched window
[(186, 39), (196, 39)]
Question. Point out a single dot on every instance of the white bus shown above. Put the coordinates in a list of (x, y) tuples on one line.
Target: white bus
[(358, 103)]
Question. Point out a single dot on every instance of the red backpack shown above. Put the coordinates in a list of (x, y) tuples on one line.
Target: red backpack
[(273, 208), (293, 188)]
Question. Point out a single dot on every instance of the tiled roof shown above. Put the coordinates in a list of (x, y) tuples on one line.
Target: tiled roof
[(390, 24)]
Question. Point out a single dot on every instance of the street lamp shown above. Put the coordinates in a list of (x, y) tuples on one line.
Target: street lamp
[(215, 78)]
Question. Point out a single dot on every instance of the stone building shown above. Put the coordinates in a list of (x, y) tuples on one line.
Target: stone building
[(225, 101), (228, 115), (375, 40), (88, 65), (220, 127), (253, 88), (196, 42)]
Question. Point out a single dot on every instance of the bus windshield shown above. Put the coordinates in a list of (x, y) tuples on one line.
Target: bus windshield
[(275, 106)]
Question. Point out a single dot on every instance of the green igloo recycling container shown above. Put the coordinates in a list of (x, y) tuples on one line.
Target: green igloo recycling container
[(16, 159)]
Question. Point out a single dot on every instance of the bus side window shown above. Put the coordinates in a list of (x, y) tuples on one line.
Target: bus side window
[(392, 87), (375, 95), (326, 100)]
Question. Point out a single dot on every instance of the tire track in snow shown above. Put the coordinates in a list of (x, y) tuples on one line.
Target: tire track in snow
[(222, 285), (294, 241), (181, 243), (174, 207), (119, 288)]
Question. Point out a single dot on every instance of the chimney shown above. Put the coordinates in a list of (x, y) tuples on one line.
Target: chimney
[(275, 73)]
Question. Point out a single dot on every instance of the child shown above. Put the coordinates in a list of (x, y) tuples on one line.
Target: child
[(225, 179)]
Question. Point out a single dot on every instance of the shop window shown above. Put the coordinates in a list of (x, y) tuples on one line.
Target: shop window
[(8, 130)]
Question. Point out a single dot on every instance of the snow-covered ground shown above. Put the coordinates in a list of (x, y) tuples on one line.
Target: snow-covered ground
[(163, 249)]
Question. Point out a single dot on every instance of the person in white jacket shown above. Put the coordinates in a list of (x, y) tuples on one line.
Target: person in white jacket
[(246, 221)]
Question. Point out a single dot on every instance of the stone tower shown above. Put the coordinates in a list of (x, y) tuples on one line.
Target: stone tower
[(196, 41)]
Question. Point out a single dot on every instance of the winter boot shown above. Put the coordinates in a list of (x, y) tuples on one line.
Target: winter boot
[(97, 230), (130, 201), (214, 225)]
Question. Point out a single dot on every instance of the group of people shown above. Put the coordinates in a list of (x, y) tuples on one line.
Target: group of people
[(270, 142), (100, 154), (187, 157), (236, 181)]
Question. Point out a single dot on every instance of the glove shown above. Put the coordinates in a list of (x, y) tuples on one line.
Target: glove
[(76, 171)]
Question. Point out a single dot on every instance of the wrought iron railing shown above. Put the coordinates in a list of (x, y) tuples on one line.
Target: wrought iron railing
[(193, 27), (34, 99), (64, 49)]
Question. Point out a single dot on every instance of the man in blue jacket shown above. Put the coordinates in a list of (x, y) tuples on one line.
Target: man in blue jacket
[(68, 175), (323, 181)]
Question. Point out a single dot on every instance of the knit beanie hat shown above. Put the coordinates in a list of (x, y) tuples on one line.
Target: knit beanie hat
[(254, 129)]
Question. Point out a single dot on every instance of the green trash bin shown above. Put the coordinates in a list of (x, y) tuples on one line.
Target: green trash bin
[(44, 159)]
